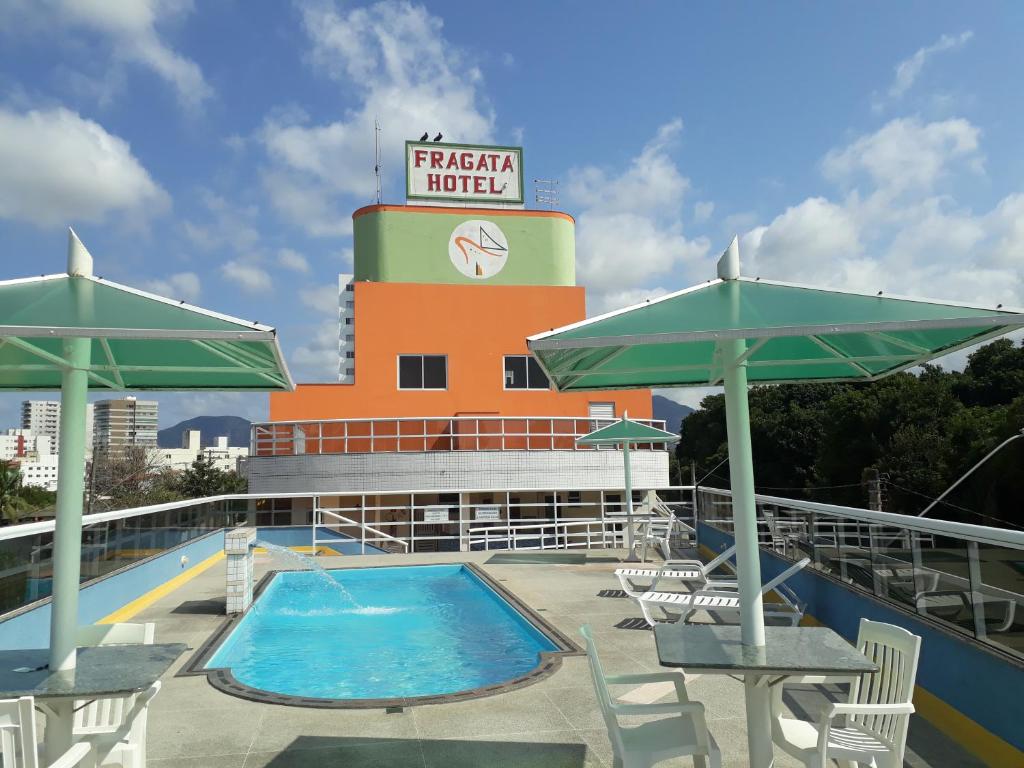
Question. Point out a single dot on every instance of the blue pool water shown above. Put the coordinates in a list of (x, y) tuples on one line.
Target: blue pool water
[(414, 631)]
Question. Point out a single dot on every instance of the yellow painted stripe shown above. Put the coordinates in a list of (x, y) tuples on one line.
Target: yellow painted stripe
[(139, 604), (982, 743), (305, 549)]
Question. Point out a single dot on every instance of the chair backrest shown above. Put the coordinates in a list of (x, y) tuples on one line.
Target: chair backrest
[(115, 634), (104, 715), (896, 652), (726, 554), (799, 566), (604, 698), (18, 734)]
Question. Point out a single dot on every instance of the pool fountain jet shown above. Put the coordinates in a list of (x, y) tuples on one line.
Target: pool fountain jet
[(307, 563)]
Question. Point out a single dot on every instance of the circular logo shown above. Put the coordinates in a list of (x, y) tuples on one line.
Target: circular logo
[(478, 249)]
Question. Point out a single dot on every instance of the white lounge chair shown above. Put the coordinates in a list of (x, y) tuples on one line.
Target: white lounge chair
[(692, 572), (115, 726), (722, 600), (19, 744), (684, 733), (878, 712)]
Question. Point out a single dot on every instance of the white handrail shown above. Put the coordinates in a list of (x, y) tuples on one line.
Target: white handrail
[(349, 521), (981, 533)]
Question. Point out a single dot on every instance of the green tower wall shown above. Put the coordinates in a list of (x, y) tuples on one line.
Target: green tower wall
[(402, 244)]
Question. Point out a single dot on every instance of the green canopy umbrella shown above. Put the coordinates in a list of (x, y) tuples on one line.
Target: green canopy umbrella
[(626, 432), (76, 332), (733, 330)]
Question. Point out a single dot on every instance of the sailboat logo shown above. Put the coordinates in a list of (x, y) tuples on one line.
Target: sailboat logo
[(478, 249)]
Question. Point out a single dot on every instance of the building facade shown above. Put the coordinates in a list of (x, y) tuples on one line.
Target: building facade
[(437, 391), (223, 456), (42, 417), (125, 423)]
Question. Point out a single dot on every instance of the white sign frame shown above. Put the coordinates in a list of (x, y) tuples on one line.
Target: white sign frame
[(436, 513), (463, 173), (487, 513)]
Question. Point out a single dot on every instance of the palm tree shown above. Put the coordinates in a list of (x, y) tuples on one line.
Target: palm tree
[(11, 504)]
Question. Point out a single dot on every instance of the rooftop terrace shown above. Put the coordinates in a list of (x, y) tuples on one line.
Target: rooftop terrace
[(554, 722)]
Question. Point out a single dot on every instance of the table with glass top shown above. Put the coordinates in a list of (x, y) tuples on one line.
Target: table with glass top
[(788, 652), (102, 672)]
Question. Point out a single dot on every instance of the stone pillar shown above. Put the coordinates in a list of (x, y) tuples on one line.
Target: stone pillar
[(238, 546)]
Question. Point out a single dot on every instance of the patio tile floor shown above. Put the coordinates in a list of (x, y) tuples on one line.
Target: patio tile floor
[(550, 724)]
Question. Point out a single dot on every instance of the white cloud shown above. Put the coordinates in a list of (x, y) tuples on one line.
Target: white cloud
[(405, 74), (703, 210), (892, 229), (317, 358), (598, 304), (227, 225), (292, 260), (629, 226), (58, 167), (130, 26), (323, 299), (908, 70), (906, 154), (182, 285), (250, 277)]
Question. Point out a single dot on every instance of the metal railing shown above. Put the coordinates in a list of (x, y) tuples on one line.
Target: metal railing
[(425, 434), (335, 521), (968, 578)]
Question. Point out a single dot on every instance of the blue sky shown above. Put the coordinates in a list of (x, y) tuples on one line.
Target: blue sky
[(214, 151)]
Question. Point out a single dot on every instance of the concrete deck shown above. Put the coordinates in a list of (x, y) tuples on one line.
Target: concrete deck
[(553, 723)]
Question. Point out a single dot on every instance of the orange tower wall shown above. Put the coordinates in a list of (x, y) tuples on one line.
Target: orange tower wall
[(475, 326)]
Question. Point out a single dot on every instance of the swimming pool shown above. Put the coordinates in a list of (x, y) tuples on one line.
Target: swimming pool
[(407, 632)]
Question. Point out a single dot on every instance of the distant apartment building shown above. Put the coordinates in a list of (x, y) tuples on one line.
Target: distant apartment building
[(34, 456), (122, 424), (42, 417), (224, 456)]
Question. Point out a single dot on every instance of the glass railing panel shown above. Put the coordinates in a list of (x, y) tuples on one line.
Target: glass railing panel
[(997, 582)]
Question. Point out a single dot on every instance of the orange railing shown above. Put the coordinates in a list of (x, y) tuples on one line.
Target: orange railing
[(418, 435)]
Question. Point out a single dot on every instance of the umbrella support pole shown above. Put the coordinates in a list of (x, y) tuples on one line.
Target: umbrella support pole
[(748, 559), (67, 534), (628, 476)]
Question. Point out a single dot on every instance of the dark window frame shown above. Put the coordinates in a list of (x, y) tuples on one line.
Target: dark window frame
[(532, 370), (423, 372)]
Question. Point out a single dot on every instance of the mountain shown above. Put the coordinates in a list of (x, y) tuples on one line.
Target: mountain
[(672, 412), (235, 427)]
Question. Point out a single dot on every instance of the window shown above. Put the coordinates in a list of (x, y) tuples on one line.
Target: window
[(350, 355), (422, 372), (348, 321), (524, 372)]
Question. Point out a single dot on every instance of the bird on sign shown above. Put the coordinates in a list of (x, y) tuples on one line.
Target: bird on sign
[(438, 137), (425, 136)]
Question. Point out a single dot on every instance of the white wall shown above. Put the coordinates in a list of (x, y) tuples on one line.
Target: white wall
[(493, 470)]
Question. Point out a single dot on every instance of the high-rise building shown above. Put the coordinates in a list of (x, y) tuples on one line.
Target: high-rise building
[(121, 424), (42, 417)]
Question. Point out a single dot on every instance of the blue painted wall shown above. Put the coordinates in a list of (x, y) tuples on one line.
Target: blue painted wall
[(302, 536), (32, 628), (980, 685)]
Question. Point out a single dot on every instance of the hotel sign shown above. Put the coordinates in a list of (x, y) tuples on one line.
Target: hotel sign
[(463, 173)]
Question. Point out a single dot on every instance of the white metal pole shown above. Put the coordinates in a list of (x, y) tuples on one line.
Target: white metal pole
[(627, 474), (744, 513), (67, 533)]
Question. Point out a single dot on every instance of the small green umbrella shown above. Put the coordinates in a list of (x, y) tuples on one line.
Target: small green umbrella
[(736, 330), (626, 432), (77, 332)]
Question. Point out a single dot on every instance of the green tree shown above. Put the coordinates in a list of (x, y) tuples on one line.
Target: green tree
[(12, 505), (204, 478)]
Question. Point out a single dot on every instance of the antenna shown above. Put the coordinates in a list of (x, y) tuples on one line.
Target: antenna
[(376, 155), (545, 192)]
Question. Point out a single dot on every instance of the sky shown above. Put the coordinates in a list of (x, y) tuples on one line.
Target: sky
[(214, 151)]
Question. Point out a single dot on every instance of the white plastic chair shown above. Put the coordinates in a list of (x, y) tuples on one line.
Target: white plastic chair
[(683, 734), (690, 572), (878, 712), (725, 599), (19, 745), (115, 726)]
